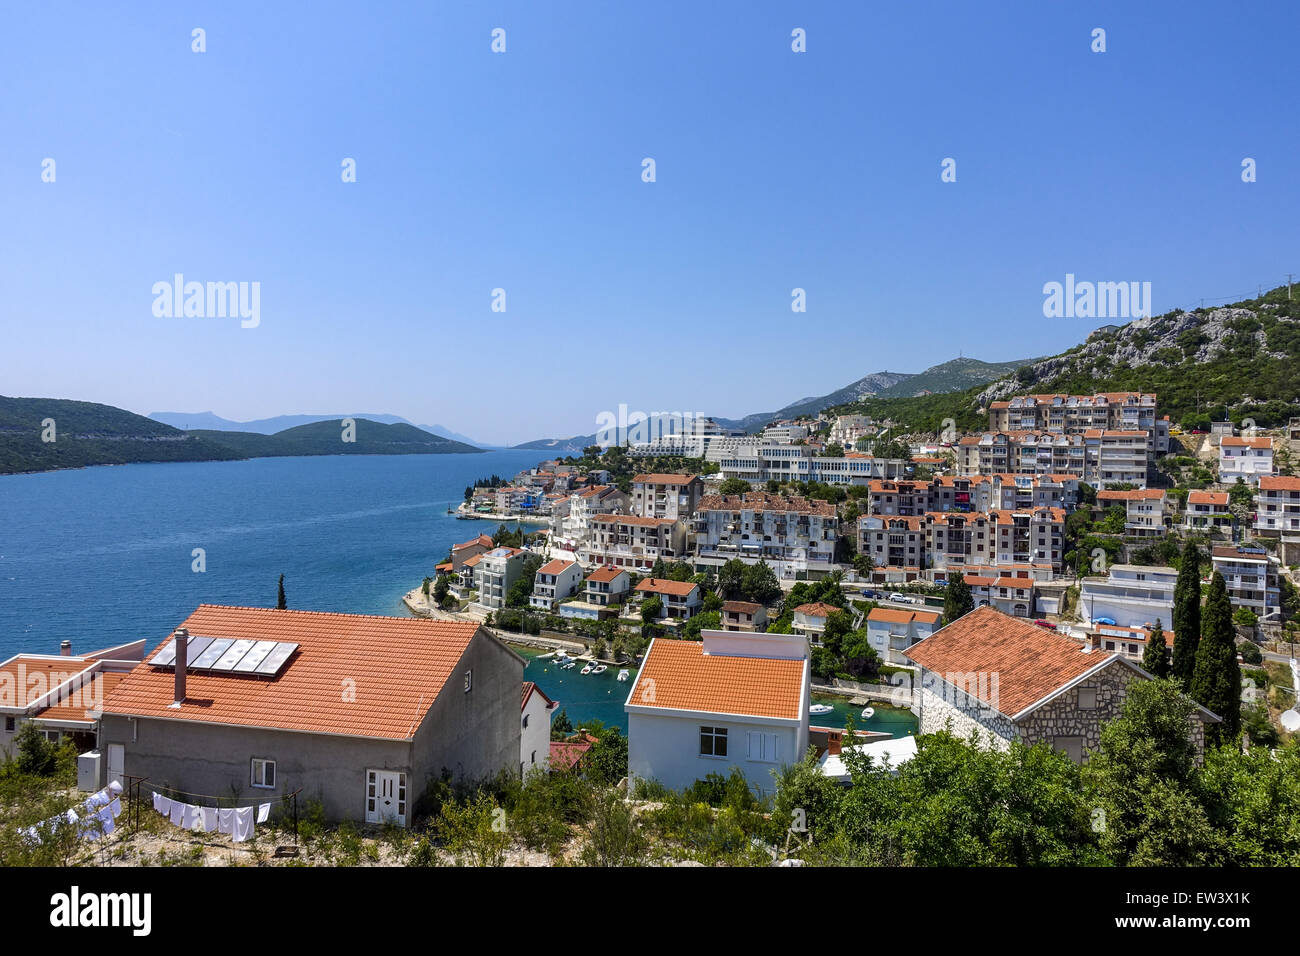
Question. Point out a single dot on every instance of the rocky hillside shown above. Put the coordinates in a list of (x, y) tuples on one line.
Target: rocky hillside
[(1236, 361)]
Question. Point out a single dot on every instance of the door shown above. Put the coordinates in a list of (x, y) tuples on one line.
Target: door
[(386, 797), (116, 761)]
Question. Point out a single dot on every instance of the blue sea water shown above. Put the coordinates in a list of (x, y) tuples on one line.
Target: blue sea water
[(101, 556)]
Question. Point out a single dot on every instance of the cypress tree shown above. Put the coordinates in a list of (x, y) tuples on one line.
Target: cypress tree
[(1187, 615), (957, 599), (279, 602), (1155, 658), (1216, 679)]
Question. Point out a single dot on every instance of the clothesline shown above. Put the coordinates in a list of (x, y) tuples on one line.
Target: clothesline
[(235, 822), (164, 791)]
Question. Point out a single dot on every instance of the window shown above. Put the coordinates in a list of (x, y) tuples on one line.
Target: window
[(10, 724), (1087, 698), (469, 680), (762, 747), (534, 757), (1072, 747), (713, 741), (51, 735), (525, 721), (263, 773)]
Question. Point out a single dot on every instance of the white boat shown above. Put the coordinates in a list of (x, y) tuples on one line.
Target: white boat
[(600, 668), (868, 712), (624, 674), (588, 669), (569, 666), (820, 709)]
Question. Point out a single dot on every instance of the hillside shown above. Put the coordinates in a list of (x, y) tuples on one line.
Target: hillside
[(87, 433), (957, 375), (326, 438), (1237, 361)]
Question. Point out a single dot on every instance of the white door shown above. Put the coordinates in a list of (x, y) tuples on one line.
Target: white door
[(116, 760), (386, 797)]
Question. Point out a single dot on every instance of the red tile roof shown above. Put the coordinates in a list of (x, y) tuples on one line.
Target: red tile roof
[(567, 753), (1277, 483), (664, 586), (34, 675), (1247, 442), (558, 566), (90, 695), (528, 690), (1209, 497), (659, 479), (891, 616), (605, 575), (683, 677), (1030, 662), (396, 666), (817, 609)]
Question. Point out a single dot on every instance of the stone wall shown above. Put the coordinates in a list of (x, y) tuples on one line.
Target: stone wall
[(946, 707)]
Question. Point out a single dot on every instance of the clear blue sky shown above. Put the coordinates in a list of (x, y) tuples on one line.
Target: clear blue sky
[(522, 171)]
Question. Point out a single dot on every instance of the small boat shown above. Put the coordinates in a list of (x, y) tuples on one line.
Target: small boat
[(568, 666), (820, 709), (588, 669), (600, 668), (868, 712), (623, 674)]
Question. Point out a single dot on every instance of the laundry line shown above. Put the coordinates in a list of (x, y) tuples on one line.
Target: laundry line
[(236, 822), (98, 817)]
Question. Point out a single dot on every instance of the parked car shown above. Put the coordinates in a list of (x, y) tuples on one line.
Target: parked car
[(1047, 624), (898, 598)]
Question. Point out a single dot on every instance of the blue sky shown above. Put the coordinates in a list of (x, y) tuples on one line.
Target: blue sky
[(522, 171)]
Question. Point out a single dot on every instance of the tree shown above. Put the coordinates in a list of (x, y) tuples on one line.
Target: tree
[(1216, 679), (731, 579), (759, 583), (834, 450), (734, 486), (1187, 614), (651, 608), (279, 601), (1155, 657), (561, 727), (860, 658), (957, 598), (440, 590), (660, 569)]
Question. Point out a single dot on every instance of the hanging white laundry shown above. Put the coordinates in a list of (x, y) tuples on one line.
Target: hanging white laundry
[(243, 825), (210, 819), (115, 787), (263, 812), (97, 800), (193, 817), (226, 821), (163, 804), (72, 816), (177, 813), (116, 807), (106, 822)]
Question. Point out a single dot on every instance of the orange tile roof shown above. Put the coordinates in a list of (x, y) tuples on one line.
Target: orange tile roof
[(1141, 494), (79, 705), (398, 666), (685, 678), (482, 541), (567, 753), (664, 586), (632, 520), (816, 609), (658, 479), (1030, 662), (528, 690), (558, 566), (1210, 497), (605, 575), (1247, 442), (1277, 483), (34, 675), (741, 607), (891, 616)]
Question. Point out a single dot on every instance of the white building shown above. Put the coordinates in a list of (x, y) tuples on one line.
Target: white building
[(1144, 510), (733, 699), (536, 711), (1246, 458), (666, 496), (1277, 507), (495, 572), (680, 599), (571, 526), (1251, 575), (1207, 512), (555, 581), (1132, 595), (775, 528), (891, 632)]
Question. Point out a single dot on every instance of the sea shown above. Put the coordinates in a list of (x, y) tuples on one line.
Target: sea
[(107, 555)]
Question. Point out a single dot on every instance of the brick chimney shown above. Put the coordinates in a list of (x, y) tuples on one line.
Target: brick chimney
[(834, 742), (182, 637), (65, 649)]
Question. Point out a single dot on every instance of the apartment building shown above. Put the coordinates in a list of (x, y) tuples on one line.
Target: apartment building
[(759, 525), (571, 525), (555, 581), (666, 496), (632, 541), (1131, 595), (953, 539), (786, 433), (1207, 512), (1012, 594), (1034, 536), (680, 599), (1131, 642), (1145, 510), (849, 429), (1277, 506), (607, 587), (1246, 458), (1097, 457), (892, 632), (1078, 414), (495, 572), (972, 493), (761, 462), (1251, 575), (895, 541)]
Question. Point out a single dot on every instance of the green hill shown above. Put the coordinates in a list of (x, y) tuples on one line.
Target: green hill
[(326, 438), (954, 376), (87, 433)]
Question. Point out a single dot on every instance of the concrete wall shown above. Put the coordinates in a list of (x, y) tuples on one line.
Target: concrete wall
[(535, 739), (667, 749)]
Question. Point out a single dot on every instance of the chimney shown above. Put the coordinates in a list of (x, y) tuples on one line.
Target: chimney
[(182, 662), (65, 649)]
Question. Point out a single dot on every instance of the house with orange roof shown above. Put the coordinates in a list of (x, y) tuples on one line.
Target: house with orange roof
[(1207, 511), (60, 693), (361, 712), (743, 616), (496, 572), (1145, 510), (1001, 680), (603, 594), (730, 700), (891, 632), (1248, 459), (555, 581), (810, 619), (632, 541), (460, 553), (1277, 506), (681, 599), (666, 496), (536, 711)]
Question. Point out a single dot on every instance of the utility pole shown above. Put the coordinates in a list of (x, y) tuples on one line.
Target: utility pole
[(1288, 286)]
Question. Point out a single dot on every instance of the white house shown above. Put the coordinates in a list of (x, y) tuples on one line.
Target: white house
[(555, 581), (891, 632), (1207, 511), (1132, 595), (734, 699), (535, 713), (1278, 504), (681, 599), (810, 619), (1144, 509), (1245, 458)]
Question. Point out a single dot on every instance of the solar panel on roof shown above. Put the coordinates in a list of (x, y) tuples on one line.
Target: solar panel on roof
[(233, 655), (210, 655), (167, 656), (195, 649), (250, 661), (276, 659)]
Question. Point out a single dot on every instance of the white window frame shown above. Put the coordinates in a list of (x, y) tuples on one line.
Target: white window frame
[(253, 775), (763, 746), (469, 680), (714, 734)]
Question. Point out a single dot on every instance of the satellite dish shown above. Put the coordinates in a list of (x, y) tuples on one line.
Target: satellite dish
[(1290, 721)]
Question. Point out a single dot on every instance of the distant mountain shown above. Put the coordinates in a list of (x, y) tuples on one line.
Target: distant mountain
[(209, 421), (954, 376), (87, 433), (327, 438), (446, 432)]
